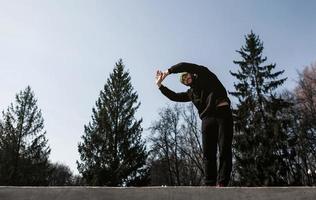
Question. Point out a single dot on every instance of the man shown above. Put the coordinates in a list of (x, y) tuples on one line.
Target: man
[(210, 98)]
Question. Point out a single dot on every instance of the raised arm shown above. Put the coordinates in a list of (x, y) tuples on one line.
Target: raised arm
[(187, 67), (173, 96), (179, 97)]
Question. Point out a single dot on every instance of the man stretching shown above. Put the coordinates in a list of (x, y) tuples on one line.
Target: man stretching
[(210, 98)]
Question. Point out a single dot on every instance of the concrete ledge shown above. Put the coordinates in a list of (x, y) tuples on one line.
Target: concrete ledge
[(157, 193)]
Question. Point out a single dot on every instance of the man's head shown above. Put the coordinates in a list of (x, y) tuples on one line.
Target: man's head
[(186, 78)]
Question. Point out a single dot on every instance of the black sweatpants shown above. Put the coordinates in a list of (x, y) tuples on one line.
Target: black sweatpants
[(217, 130)]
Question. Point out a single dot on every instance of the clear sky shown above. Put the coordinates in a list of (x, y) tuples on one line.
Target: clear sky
[(66, 49)]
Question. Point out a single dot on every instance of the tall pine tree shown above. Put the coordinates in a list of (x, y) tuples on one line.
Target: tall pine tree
[(23, 146), (260, 145), (112, 152)]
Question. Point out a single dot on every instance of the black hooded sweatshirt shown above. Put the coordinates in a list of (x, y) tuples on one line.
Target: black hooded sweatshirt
[(206, 91)]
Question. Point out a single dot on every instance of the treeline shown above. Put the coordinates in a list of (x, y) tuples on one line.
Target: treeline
[(274, 134)]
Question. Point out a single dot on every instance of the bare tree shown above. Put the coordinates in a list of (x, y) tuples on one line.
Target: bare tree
[(61, 175), (305, 101), (306, 94), (176, 152)]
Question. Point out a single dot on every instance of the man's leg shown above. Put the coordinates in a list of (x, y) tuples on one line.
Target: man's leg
[(225, 124), (209, 140)]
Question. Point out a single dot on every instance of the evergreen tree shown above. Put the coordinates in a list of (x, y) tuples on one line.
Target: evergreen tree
[(260, 145), (23, 146), (112, 152)]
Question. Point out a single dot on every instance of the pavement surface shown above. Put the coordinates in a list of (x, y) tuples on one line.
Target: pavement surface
[(157, 193)]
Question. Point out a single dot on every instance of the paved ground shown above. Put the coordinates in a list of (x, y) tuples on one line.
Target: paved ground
[(157, 193)]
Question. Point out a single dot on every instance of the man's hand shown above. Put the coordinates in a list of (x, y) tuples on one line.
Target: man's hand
[(160, 76)]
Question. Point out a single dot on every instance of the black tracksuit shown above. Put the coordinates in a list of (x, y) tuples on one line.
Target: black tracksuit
[(206, 92)]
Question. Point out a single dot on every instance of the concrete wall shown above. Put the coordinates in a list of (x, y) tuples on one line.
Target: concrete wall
[(156, 193)]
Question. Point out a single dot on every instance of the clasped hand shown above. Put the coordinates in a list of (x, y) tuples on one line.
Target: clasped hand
[(160, 76)]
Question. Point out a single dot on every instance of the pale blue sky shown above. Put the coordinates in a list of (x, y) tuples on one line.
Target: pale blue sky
[(66, 49)]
